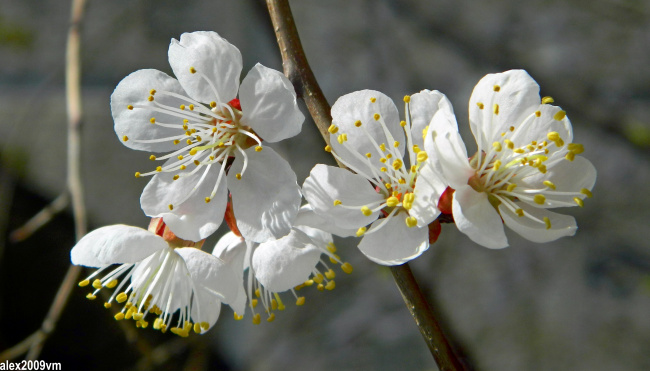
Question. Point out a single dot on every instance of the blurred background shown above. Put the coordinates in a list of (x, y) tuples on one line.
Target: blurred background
[(580, 303)]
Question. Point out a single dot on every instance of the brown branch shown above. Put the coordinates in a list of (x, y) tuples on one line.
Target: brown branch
[(41, 218), (297, 69)]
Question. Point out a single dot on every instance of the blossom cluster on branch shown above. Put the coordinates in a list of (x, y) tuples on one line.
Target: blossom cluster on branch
[(405, 175)]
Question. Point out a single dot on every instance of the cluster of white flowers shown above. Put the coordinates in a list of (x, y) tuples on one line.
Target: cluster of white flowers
[(404, 177)]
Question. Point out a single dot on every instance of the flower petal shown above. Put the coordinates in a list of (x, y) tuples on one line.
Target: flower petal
[(191, 218), (266, 199), (325, 184), (450, 152), (516, 95), (232, 250), (475, 216), (394, 243), (536, 128), (213, 58), (115, 244), (269, 104), (567, 176), (308, 218), (359, 106), (561, 225), (423, 107), (134, 124), (282, 264), (429, 186)]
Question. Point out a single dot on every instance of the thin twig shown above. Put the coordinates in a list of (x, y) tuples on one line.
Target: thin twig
[(300, 74), (41, 218)]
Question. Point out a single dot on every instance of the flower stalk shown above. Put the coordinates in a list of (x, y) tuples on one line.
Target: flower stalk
[(297, 69)]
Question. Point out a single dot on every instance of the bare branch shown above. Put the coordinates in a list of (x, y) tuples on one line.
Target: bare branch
[(41, 218), (300, 74)]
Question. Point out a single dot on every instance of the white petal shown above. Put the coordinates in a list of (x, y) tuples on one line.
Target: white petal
[(475, 216), (327, 183), (537, 128), (285, 263), (561, 225), (423, 107), (395, 243), (357, 106), (429, 186), (451, 155), (567, 176), (308, 218), (232, 250), (517, 97), (269, 104), (267, 198), (135, 123), (115, 244), (191, 217), (213, 279), (212, 56)]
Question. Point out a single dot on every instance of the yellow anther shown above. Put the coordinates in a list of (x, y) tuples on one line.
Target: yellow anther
[(192, 70), (547, 221), (84, 283), (382, 160), (480, 105), (176, 141), (333, 129), (91, 297), (511, 187), (361, 231), (587, 193), (519, 212), (97, 284), (271, 318), (330, 274), (519, 150), (392, 201), (495, 109), (539, 199), (549, 184), (213, 104), (411, 222), (238, 176), (318, 278), (497, 165), (331, 247), (347, 268), (238, 317), (509, 143), (369, 155), (579, 201), (373, 99), (111, 284), (129, 107), (159, 168), (337, 202), (422, 156), (171, 207), (258, 149), (496, 88), (570, 156), (150, 99), (320, 287), (121, 297), (309, 282), (182, 167), (152, 157), (300, 301), (196, 162), (138, 316), (107, 305), (383, 169), (152, 92), (328, 148), (182, 107), (207, 200), (538, 113), (424, 131), (382, 147), (191, 107), (402, 123), (257, 319), (254, 303), (407, 98), (366, 211), (342, 138), (575, 148), (547, 100), (560, 115), (542, 169), (125, 138), (152, 120), (197, 328), (376, 116), (397, 164), (274, 304), (157, 323), (258, 293), (119, 316), (330, 285), (497, 146)]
